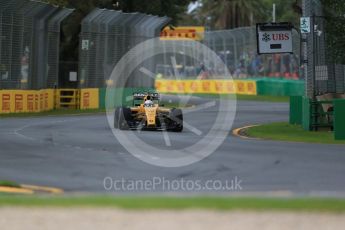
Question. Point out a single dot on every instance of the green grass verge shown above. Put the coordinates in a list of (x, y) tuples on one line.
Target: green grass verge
[(179, 203), (243, 97), (263, 98), (9, 184), (283, 131)]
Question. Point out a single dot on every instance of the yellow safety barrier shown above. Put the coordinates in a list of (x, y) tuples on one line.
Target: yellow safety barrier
[(67, 98), (23, 101), (89, 98), (32, 101), (206, 86)]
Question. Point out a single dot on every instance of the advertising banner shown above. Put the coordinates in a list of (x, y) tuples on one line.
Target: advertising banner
[(89, 98), (207, 86), (26, 101), (195, 33)]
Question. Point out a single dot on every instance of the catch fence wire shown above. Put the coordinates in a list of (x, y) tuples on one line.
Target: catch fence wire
[(29, 44)]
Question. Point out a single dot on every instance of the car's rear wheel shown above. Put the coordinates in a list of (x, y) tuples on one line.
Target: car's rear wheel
[(116, 118), (177, 118)]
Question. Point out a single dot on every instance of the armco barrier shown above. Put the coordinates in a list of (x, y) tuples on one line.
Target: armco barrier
[(280, 87), (207, 86), (122, 96)]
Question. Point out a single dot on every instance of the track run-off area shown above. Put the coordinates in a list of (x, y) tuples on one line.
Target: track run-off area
[(76, 154)]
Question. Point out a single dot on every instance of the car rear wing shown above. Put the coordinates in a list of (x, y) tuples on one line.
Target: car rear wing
[(141, 96)]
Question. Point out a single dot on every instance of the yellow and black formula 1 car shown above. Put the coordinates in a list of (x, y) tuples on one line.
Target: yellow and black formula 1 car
[(146, 113)]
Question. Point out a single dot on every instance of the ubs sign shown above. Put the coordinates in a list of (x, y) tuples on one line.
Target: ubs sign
[(274, 38)]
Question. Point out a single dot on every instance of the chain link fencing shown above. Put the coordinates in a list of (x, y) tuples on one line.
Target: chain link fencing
[(106, 36), (238, 50), (29, 44), (30, 36), (322, 74)]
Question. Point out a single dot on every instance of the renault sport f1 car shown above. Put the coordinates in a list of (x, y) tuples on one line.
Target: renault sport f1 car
[(146, 113)]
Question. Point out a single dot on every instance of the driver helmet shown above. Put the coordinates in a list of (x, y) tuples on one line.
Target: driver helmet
[(148, 102)]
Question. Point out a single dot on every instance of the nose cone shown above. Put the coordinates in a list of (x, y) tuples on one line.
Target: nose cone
[(151, 115)]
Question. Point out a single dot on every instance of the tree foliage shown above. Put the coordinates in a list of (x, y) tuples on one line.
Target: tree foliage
[(61, 3), (171, 8), (223, 14), (334, 11), (228, 14)]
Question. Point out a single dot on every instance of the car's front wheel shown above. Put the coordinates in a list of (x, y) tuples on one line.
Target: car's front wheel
[(122, 117), (177, 118)]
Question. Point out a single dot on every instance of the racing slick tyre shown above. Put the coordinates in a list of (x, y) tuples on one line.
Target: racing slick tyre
[(124, 115), (116, 118), (177, 118)]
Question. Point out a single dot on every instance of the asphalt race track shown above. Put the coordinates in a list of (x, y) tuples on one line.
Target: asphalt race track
[(76, 153)]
